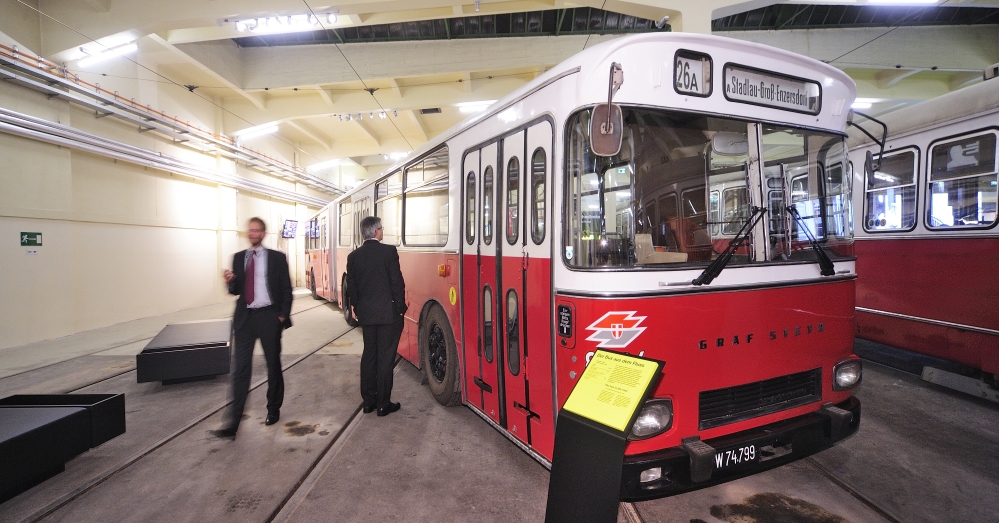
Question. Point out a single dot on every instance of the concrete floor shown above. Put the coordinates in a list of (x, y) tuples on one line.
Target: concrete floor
[(923, 454)]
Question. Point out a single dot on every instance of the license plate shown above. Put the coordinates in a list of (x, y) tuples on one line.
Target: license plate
[(736, 456)]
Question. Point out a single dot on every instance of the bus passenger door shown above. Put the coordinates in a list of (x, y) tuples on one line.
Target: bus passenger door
[(511, 236), (484, 383), (538, 317)]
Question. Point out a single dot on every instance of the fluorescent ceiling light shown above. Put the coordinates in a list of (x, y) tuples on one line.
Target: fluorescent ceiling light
[(902, 2), (260, 131), (110, 53), (861, 105), (322, 165)]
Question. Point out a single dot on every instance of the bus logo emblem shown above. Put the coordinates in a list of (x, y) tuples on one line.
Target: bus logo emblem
[(616, 329)]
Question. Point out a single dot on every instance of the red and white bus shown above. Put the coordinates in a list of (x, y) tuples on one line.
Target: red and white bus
[(524, 251), (928, 246)]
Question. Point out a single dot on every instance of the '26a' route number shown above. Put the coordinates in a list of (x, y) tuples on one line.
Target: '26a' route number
[(689, 76)]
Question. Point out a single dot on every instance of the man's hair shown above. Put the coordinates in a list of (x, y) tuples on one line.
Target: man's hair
[(369, 225), (263, 225)]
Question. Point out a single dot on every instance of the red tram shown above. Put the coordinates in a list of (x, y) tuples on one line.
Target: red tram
[(928, 247)]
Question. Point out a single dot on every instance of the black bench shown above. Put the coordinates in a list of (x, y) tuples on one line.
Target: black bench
[(186, 352), (39, 433), (105, 412), (36, 443)]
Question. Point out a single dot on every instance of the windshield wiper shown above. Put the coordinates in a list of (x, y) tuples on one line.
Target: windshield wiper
[(828, 269), (713, 270)]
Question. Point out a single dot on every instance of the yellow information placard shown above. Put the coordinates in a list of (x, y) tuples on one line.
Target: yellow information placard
[(611, 387)]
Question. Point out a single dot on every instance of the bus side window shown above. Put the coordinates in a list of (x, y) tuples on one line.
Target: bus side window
[(470, 208), (962, 182)]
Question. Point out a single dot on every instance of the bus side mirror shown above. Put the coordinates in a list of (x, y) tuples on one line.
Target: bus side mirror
[(607, 122), (869, 164), (606, 130)]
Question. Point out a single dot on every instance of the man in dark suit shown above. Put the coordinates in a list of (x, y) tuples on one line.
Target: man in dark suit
[(378, 295), (263, 310)]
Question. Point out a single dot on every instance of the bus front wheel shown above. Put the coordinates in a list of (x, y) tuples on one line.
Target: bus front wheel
[(440, 357)]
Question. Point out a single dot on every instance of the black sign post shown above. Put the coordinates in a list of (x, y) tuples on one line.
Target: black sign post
[(590, 436)]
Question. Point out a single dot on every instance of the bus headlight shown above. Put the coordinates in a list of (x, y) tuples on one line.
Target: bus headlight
[(847, 374), (655, 418)]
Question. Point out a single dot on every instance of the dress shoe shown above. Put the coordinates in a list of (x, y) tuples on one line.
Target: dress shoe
[(368, 409), (388, 409), (229, 434), (272, 418)]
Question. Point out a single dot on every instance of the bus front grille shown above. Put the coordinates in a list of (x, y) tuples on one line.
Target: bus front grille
[(729, 405)]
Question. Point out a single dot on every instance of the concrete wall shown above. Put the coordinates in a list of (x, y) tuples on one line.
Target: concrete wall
[(122, 241)]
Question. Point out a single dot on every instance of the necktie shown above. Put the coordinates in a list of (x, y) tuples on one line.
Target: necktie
[(250, 273)]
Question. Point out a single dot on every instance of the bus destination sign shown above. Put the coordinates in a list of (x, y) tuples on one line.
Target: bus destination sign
[(757, 87), (692, 73)]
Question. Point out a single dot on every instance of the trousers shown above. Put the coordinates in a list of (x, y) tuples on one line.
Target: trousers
[(377, 360), (262, 324)]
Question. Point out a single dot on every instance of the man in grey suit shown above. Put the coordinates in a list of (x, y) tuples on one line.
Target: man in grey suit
[(263, 310), (378, 294)]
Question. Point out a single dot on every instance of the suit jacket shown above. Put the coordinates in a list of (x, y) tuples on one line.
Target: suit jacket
[(278, 286), (375, 285)]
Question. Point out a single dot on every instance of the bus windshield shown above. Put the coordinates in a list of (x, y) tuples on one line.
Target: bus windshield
[(680, 190)]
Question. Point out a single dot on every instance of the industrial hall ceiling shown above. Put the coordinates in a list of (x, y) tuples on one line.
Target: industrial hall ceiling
[(366, 81)]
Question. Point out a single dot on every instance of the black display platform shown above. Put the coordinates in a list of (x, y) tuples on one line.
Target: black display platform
[(36, 443), (105, 412), (185, 352)]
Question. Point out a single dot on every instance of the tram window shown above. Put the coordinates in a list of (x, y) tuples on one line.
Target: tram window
[(891, 194), (487, 206), (346, 225), (695, 223), (963, 183), (539, 169), (736, 208), (512, 333), (470, 208), (427, 201), (389, 187), (513, 200), (390, 211), (487, 322)]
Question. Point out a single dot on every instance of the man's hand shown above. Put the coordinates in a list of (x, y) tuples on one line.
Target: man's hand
[(281, 319), (228, 275)]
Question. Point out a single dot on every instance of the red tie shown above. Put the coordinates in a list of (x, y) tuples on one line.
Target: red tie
[(250, 272)]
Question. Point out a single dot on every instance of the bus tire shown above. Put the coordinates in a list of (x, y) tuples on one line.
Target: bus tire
[(351, 320), (440, 357), (315, 296)]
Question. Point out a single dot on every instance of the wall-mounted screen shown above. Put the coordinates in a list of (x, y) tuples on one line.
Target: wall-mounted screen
[(290, 226)]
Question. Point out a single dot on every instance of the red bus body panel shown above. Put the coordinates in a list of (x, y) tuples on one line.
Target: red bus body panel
[(748, 336)]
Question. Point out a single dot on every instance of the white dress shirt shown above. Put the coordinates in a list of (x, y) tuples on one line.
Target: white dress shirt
[(260, 296)]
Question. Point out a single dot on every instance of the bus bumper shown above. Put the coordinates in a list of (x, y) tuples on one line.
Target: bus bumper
[(694, 465)]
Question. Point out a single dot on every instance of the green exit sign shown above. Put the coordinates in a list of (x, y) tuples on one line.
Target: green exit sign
[(31, 239)]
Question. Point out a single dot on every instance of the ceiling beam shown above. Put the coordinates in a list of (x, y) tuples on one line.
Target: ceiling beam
[(324, 95), (959, 80), (254, 99), (418, 123), (314, 134), (890, 77), (368, 132)]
